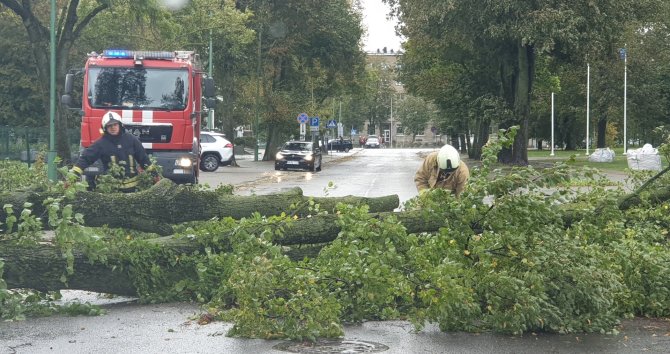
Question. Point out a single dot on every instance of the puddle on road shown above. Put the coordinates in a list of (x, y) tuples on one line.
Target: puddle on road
[(330, 346)]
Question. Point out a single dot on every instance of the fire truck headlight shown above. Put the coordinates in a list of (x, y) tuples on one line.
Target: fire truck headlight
[(184, 162)]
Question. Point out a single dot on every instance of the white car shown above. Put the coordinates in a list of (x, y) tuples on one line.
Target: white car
[(215, 151), (372, 142)]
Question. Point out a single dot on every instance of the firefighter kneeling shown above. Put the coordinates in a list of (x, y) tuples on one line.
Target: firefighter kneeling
[(122, 155)]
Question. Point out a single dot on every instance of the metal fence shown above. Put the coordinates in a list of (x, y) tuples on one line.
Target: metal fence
[(28, 143)]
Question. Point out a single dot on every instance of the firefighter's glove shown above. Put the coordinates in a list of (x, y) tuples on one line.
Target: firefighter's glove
[(153, 172), (73, 176), (76, 171)]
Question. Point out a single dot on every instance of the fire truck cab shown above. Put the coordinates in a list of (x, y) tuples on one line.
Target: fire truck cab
[(159, 96)]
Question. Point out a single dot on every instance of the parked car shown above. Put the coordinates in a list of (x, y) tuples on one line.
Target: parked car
[(299, 155), (372, 142), (340, 145), (215, 151)]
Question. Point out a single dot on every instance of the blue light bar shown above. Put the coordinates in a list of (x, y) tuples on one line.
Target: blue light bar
[(122, 53), (117, 53)]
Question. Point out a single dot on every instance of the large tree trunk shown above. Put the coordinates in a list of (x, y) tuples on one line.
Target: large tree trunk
[(165, 204), (526, 74), (41, 266), (601, 134)]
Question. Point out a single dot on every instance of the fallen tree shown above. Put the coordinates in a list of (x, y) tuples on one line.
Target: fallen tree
[(165, 204), (40, 266), (505, 256)]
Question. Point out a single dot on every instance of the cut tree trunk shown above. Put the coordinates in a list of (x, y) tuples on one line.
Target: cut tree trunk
[(166, 204), (40, 266)]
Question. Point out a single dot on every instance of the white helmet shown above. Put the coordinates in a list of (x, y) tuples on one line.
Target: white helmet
[(110, 118), (448, 158)]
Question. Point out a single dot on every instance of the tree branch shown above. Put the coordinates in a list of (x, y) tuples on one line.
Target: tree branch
[(84, 22)]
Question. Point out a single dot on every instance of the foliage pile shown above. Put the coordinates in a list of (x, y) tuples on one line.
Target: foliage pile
[(517, 253)]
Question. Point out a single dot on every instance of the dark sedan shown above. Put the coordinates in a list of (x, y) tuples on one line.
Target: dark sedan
[(299, 155), (340, 145)]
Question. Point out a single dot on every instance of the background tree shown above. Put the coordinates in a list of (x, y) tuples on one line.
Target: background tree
[(72, 18), (513, 33), (309, 53), (21, 103), (414, 113)]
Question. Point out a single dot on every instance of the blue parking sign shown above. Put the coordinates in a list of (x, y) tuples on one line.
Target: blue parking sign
[(314, 122)]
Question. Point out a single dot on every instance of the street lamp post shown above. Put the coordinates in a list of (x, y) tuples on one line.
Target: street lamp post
[(51, 157), (391, 125), (210, 113), (588, 99), (625, 84), (552, 125), (258, 91)]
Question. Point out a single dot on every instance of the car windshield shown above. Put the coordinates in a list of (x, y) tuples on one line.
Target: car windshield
[(373, 140), (160, 89), (298, 146)]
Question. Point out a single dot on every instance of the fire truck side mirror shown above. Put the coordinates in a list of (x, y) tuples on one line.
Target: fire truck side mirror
[(66, 100), (210, 91), (69, 82)]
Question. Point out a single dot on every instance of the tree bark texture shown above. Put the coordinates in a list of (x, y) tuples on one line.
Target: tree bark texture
[(40, 266), (166, 204)]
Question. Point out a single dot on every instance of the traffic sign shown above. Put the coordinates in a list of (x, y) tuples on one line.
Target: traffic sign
[(314, 121), (331, 124), (303, 118)]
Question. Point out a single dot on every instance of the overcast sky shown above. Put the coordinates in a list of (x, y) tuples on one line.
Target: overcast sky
[(380, 31)]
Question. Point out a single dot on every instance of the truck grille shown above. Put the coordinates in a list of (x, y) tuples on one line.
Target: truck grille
[(150, 133)]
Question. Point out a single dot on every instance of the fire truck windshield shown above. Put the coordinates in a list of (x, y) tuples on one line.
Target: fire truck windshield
[(138, 88)]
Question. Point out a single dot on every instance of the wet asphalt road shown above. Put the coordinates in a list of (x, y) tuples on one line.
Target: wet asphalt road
[(365, 173), (129, 327)]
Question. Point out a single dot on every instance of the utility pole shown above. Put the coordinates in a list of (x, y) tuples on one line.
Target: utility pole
[(391, 127), (552, 124), (623, 53), (588, 99), (258, 90), (51, 157), (210, 113)]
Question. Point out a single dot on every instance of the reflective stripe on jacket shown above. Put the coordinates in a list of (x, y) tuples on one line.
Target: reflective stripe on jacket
[(428, 173)]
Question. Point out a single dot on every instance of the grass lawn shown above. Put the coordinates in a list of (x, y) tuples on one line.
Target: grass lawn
[(620, 164)]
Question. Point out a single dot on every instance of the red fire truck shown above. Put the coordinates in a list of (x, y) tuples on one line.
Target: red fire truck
[(159, 96)]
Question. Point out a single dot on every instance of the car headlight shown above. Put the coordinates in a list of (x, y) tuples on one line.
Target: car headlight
[(184, 162), (279, 156), (308, 157)]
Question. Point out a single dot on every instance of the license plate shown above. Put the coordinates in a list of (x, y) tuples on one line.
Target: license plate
[(292, 163)]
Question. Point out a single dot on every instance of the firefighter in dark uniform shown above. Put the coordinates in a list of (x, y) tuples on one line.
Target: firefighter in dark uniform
[(118, 147)]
